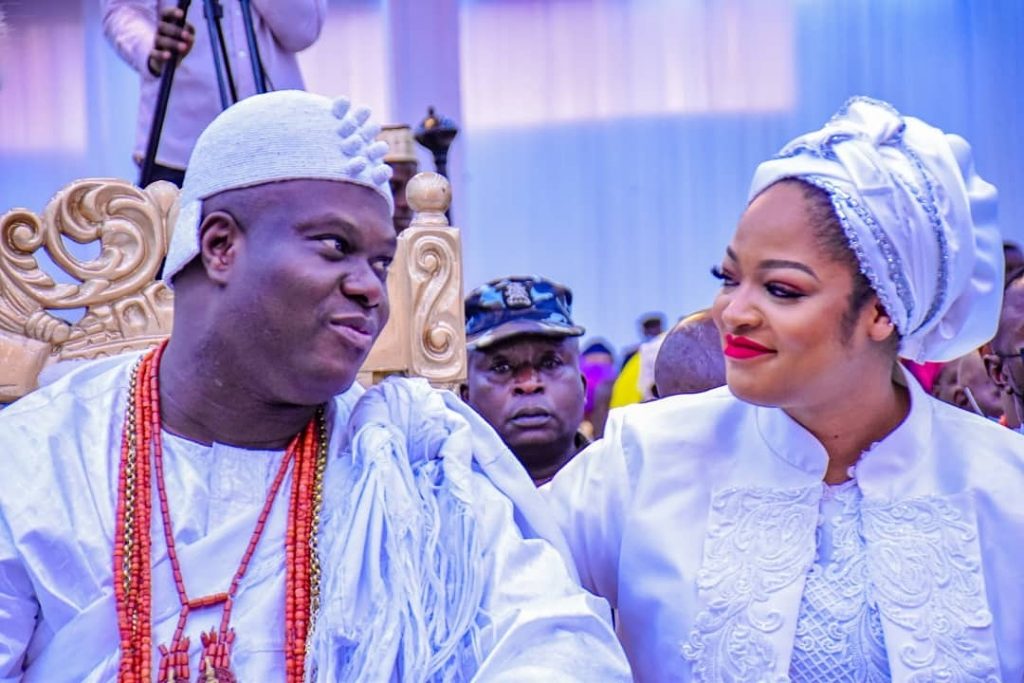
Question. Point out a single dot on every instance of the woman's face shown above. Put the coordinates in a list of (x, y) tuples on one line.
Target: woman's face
[(781, 307)]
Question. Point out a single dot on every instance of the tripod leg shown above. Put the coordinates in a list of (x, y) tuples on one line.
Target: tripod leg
[(160, 110), (221, 65), (258, 76), (224, 53)]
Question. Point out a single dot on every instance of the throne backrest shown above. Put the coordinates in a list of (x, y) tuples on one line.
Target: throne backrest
[(127, 309)]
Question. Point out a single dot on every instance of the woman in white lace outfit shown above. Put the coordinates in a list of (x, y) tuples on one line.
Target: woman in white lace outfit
[(822, 518)]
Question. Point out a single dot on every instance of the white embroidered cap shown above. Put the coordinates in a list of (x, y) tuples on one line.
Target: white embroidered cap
[(283, 135), (921, 222)]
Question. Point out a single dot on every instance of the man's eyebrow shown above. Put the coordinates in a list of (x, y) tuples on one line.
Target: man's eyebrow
[(326, 221), (772, 263)]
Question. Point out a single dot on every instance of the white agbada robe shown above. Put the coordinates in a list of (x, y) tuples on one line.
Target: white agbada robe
[(697, 517), (60, 447)]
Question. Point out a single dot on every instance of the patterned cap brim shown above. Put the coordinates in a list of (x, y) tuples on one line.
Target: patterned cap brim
[(524, 328)]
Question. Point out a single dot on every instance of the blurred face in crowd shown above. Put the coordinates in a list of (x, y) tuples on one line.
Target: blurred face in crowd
[(401, 173), (967, 374), (971, 375), (651, 328), (530, 390), (1002, 355), (598, 357), (782, 311), (946, 384), (1013, 257)]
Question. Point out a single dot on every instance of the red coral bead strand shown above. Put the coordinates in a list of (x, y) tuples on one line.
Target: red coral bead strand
[(141, 453)]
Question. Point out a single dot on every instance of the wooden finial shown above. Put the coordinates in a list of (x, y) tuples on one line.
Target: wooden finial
[(429, 194)]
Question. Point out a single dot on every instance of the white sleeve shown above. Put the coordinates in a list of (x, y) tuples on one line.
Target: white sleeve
[(538, 624), (18, 608), (589, 500), (130, 26), (295, 24)]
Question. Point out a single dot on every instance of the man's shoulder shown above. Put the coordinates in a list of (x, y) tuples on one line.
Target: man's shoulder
[(86, 385)]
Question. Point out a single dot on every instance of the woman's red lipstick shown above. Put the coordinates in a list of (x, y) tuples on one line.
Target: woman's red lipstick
[(743, 348)]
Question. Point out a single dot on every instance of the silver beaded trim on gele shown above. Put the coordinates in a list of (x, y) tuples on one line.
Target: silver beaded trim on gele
[(927, 202), (845, 109), (930, 206), (843, 201)]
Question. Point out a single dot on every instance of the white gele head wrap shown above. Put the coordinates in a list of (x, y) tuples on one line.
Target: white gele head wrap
[(283, 135), (921, 222)]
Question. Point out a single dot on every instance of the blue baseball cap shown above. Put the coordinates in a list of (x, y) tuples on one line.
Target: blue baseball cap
[(518, 306)]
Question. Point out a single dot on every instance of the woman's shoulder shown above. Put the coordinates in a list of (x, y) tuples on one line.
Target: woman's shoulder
[(706, 405), (963, 434), (697, 422)]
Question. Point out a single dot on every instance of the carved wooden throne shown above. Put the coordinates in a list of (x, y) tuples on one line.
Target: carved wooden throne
[(127, 309)]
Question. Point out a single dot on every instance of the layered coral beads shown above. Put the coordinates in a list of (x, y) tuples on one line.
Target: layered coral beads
[(141, 457)]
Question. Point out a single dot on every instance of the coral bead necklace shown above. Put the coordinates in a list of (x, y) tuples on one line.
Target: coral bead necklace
[(141, 457)]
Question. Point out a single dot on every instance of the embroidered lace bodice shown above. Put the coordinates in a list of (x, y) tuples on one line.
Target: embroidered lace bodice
[(838, 631)]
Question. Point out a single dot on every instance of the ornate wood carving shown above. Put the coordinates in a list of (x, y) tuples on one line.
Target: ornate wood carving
[(440, 352), (125, 308), (426, 297)]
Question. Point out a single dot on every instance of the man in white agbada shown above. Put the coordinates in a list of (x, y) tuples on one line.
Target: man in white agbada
[(424, 559), (822, 518)]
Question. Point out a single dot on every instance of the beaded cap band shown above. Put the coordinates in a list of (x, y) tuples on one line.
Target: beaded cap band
[(919, 219)]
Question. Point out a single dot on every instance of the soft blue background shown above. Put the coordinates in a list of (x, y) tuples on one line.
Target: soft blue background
[(629, 208)]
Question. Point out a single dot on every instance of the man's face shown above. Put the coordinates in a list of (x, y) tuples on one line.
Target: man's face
[(306, 295), (529, 389), (401, 173)]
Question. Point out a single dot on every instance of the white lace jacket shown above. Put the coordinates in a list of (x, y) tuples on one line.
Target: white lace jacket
[(696, 516)]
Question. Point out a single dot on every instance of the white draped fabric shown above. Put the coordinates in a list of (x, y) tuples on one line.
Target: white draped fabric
[(699, 517), (605, 144), (430, 571)]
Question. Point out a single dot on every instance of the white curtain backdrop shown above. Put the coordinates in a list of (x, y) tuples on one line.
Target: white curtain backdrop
[(605, 143)]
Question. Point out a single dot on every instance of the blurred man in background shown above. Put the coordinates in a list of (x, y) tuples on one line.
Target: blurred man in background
[(690, 359), (964, 383), (597, 363), (401, 157), (1003, 355)]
